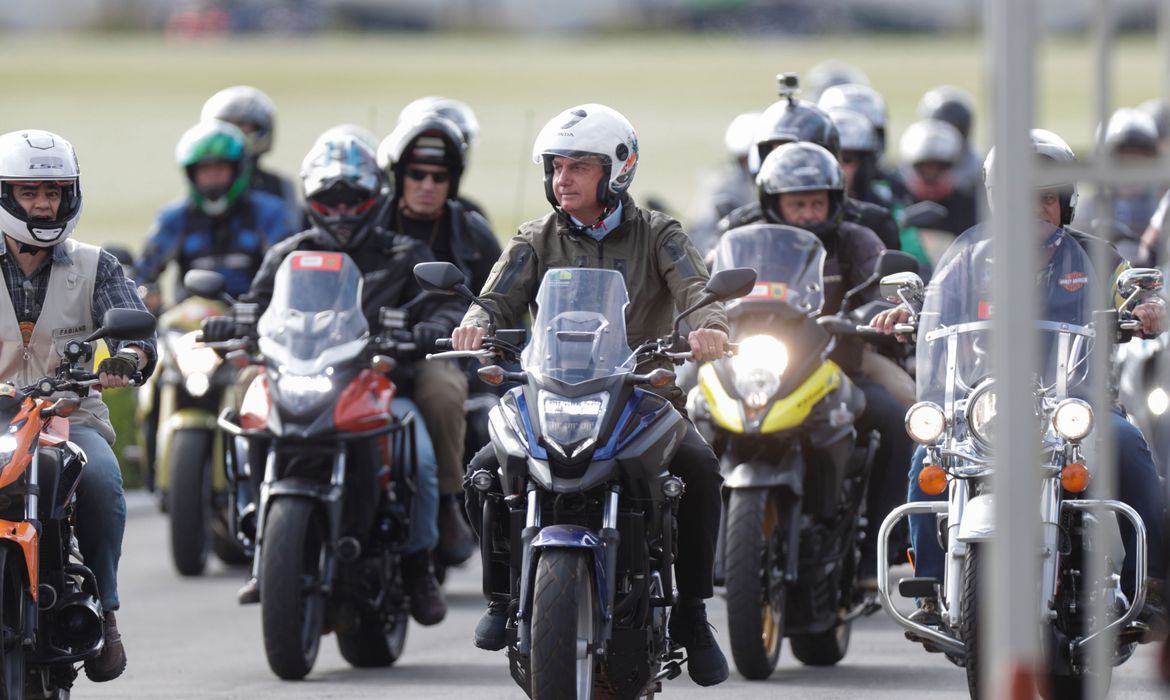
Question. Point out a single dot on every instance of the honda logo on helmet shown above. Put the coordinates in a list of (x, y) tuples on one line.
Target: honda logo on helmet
[(578, 115)]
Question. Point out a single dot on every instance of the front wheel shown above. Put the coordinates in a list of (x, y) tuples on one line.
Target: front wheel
[(189, 500), (755, 588), (564, 633), (292, 604), (969, 617), (375, 642), (12, 661), (822, 649)]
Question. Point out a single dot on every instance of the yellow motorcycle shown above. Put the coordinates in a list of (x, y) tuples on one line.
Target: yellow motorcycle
[(781, 416)]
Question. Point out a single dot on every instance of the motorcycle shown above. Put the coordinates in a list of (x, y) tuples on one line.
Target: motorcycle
[(50, 610), (588, 506), (1139, 368), (781, 416), (955, 421), (334, 468), (191, 387)]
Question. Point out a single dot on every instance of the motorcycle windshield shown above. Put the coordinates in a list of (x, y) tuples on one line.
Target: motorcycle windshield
[(955, 326), (315, 317), (789, 264), (579, 332)]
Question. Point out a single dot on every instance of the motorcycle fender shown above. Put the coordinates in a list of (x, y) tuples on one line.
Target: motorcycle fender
[(978, 523), (573, 537), (191, 419), (304, 488), (789, 474)]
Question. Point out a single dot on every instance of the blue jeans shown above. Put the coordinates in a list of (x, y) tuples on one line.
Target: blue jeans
[(424, 530), (1138, 486), (101, 512)]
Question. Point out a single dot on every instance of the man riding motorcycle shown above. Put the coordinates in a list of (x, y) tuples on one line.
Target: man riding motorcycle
[(955, 107), (221, 224), (932, 151), (590, 154), (59, 289), (253, 113), (346, 195), (1138, 483), (801, 184), (460, 114), (886, 185)]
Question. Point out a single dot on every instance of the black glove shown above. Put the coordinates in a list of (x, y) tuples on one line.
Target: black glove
[(123, 364), (218, 328), (426, 333)]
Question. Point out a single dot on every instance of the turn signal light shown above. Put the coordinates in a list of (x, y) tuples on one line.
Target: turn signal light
[(932, 480), (1075, 477), (492, 374), (382, 364), (660, 377)]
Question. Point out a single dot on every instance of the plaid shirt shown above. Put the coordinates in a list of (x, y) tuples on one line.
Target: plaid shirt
[(111, 290)]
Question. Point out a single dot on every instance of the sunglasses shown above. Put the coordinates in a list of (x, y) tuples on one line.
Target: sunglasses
[(418, 175)]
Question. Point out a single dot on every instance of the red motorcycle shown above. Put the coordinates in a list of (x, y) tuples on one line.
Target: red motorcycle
[(333, 468)]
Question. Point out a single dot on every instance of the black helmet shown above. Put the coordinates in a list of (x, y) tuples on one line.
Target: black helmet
[(1133, 130), (951, 105), (1048, 145), (430, 138), (802, 167), (790, 120)]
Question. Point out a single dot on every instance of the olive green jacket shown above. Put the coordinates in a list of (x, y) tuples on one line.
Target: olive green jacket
[(662, 269)]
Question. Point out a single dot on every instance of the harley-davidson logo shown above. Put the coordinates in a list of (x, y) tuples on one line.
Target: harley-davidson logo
[(1074, 281)]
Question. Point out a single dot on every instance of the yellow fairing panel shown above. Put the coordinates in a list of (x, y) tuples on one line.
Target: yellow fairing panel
[(725, 411), (788, 412)]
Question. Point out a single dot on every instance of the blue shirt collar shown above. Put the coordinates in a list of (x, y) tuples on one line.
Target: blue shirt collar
[(603, 228)]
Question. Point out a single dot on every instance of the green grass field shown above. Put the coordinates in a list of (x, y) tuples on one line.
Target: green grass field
[(125, 101)]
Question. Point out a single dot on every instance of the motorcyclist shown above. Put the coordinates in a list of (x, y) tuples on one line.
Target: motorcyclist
[(590, 154), (221, 224), (463, 117), (827, 74), (346, 195), (425, 157), (1159, 111), (955, 107), (254, 114), (801, 184), (40, 206), (931, 152), (1138, 483), (791, 120), (1131, 136), (733, 187), (864, 100)]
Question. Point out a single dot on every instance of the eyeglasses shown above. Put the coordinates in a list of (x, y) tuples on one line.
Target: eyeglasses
[(418, 175)]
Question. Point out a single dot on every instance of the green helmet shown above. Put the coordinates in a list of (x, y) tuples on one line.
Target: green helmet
[(215, 141)]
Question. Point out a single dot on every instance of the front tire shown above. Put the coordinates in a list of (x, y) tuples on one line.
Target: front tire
[(823, 649), (12, 660), (292, 605), (189, 500), (969, 617), (375, 643), (755, 593), (564, 632)]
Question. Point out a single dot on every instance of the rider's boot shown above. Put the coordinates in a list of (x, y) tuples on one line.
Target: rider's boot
[(490, 632), (110, 662), (706, 663), (427, 604)]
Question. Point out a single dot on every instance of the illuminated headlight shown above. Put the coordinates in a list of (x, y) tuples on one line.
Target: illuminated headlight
[(758, 365), (1158, 401), (195, 359), (8, 445), (571, 426), (299, 388), (196, 384), (1072, 419), (925, 422), (981, 414)]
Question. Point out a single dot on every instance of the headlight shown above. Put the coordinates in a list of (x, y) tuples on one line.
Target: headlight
[(1072, 419), (981, 414), (303, 391), (758, 365), (571, 426), (1158, 401), (8, 445), (196, 384), (925, 422), (192, 358)]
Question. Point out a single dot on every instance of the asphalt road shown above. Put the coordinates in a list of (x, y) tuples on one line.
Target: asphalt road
[(187, 638)]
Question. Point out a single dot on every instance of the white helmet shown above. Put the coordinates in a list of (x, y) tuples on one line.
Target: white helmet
[(33, 156), (861, 99), (585, 130), (340, 131), (454, 110), (855, 131), (931, 140), (240, 105), (741, 134)]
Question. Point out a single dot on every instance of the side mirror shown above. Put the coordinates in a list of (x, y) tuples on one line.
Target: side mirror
[(891, 262), (1139, 281), (204, 283), (923, 214), (126, 324), (731, 284), (441, 278), (905, 287)]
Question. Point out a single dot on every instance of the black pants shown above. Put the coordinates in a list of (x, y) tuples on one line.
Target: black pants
[(887, 480), (698, 512)]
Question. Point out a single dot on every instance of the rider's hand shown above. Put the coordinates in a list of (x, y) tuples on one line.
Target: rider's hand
[(426, 333), (886, 320), (1152, 315), (116, 371), (707, 344), (468, 338), (218, 328)]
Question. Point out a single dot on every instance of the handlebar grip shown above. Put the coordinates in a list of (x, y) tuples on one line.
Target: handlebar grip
[(1130, 325), (443, 344), (862, 329), (905, 328)]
